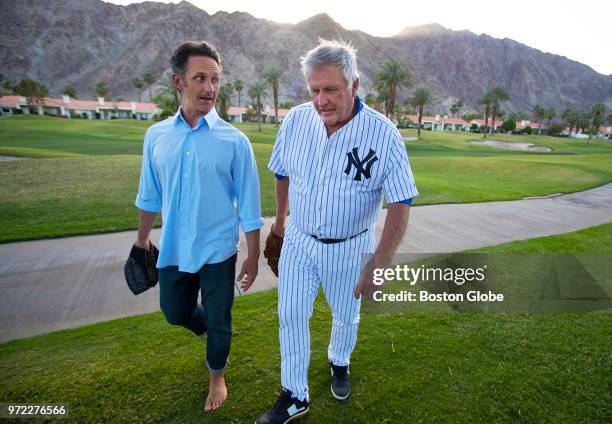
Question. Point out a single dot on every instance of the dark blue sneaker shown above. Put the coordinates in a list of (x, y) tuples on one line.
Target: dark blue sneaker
[(286, 408), (341, 381)]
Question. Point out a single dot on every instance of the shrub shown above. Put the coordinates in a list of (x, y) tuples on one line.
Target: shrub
[(528, 130), (509, 125)]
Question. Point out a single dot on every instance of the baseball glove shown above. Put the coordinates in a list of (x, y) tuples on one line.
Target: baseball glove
[(272, 251), (141, 269)]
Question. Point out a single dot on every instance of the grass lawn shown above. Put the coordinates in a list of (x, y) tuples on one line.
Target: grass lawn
[(85, 173), (413, 367)]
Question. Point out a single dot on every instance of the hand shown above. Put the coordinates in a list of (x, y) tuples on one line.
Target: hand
[(247, 274), (143, 244), (278, 229), (365, 283)]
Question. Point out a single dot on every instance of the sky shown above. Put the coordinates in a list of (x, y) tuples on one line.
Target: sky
[(579, 30)]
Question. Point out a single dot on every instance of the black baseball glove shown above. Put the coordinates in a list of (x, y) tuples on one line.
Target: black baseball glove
[(141, 269)]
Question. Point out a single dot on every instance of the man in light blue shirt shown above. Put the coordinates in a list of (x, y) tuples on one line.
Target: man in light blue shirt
[(200, 172)]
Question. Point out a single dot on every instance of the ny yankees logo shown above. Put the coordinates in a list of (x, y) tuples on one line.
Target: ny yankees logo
[(353, 160)]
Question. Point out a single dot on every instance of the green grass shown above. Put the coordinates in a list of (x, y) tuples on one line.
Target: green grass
[(412, 367), (85, 175)]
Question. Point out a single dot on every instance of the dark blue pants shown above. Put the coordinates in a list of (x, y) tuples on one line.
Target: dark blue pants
[(178, 299)]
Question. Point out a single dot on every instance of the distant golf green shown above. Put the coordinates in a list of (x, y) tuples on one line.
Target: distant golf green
[(84, 173), (407, 367)]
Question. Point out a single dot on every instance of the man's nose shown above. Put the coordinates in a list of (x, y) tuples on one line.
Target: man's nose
[(322, 99)]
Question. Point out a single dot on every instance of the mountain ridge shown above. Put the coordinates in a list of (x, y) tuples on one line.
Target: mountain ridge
[(82, 42)]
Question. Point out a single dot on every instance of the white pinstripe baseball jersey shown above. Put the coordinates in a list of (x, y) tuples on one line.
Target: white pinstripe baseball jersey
[(337, 182)]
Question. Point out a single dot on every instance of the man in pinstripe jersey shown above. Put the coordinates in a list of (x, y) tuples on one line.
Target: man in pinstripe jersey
[(334, 159)]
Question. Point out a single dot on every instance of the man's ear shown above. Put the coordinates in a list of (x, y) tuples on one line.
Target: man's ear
[(178, 82), (355, 87)]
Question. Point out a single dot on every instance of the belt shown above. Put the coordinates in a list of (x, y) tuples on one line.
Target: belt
[(334, 241)]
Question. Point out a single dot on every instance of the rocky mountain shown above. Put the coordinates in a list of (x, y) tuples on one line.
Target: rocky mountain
[(80, 42)]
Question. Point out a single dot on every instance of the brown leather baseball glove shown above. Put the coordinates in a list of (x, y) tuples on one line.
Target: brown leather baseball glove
[(272, 251)]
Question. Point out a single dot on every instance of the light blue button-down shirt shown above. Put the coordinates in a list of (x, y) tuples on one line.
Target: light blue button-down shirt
[(204, 181)]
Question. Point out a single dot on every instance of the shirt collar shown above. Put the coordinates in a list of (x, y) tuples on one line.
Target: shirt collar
[(211, 118)]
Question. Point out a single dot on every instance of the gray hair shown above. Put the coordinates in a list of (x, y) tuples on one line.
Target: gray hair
[(338, 53)]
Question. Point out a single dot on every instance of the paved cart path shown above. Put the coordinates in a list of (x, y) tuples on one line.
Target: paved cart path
[(48, 285)]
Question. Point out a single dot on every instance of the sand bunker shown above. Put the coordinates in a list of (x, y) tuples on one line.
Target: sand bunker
[(3, 158), (411, 138), (526, 147)]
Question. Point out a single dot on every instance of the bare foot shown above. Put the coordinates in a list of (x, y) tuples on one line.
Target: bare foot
[(217, 392)]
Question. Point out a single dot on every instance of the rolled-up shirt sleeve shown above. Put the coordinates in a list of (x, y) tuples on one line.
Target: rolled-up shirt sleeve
[(246, 180), (276, 163), (398, 184), (149, 189)]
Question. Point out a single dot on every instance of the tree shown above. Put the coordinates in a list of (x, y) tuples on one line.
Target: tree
[(569, 116), (168, 89), (137, 83), (239, 86), (471, 116), (583, 120), (69, 90), (422, 95), (598, 112), (32, 90), (5, 86), (498, 95), (101, 89), (273, 76), (549, 114), (288, 104), (509, 125), (456, 108), (487, 101), (538, 116), (224, 100), (149, 79), (256, 92), (519, 116), (391, 77)]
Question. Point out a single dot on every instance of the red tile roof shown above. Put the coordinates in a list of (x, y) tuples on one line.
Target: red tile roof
[(76, 104)]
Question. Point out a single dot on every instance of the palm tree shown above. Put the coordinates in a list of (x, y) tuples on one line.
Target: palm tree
[(239, 86), (498, 95), (101, 90), (256, 92), (168, 90), (570, 116), (149, 80), (273, 76), (598, 113), (137, 82), (422, 95), (538, 115), (392, 76), (224, 99), (69, 90), (549, 114), (487, 101)]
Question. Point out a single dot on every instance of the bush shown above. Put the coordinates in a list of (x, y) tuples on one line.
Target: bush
[(509, 125), (165, 113), (528, 130), (556, 129)]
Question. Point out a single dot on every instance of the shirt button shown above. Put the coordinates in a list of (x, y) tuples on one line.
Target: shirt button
[(188, 153), (185, 175)]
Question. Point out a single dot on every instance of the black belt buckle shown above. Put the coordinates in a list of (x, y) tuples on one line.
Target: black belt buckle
[(334, 241)]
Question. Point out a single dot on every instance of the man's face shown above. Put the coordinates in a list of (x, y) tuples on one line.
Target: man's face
[(200, 85), (331, 97)]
